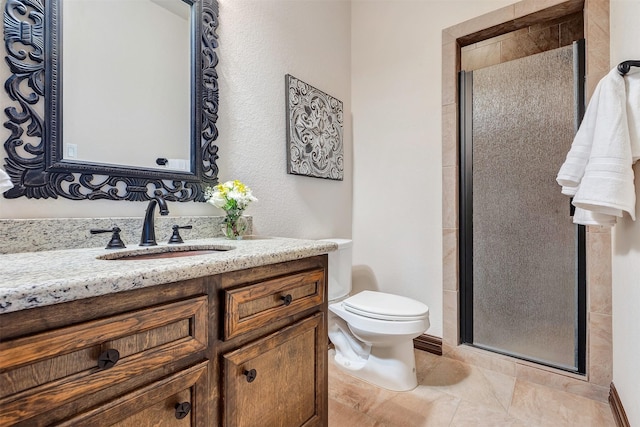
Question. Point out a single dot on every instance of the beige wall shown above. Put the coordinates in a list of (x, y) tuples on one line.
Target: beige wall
[(261, 41), (396, 87), (625, 33)]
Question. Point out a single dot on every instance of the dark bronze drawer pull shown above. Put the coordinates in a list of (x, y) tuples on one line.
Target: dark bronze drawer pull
[(251, 375), (182, 410), (108, 359), (286, 299)]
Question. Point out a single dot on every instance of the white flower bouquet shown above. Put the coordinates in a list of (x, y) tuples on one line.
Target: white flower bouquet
[(233, 197)]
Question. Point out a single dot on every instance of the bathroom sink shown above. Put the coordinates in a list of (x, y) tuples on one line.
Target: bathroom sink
[(165, 252)]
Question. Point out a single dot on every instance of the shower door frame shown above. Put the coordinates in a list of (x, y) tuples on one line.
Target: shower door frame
[(465, 247)]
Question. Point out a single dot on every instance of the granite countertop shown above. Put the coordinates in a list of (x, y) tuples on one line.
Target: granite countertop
[(34, 279)]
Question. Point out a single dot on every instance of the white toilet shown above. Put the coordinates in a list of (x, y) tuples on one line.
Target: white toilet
[(372, 332)]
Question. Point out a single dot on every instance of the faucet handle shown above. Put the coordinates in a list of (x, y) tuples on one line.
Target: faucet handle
[(115, 242), (175, 237)]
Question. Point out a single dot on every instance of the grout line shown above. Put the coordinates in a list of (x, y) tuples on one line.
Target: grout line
[(455, 412), (513, 393), (493, 389)]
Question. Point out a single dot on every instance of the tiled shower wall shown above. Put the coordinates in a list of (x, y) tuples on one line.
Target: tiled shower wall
[(523, 42), (513, 22)]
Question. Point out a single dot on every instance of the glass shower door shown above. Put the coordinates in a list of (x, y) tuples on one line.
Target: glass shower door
[(522, 260)]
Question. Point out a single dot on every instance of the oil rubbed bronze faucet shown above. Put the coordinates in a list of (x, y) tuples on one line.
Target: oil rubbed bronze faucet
[(148, 228)]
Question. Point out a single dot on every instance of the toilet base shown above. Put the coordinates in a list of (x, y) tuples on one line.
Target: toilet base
[(393, 368)]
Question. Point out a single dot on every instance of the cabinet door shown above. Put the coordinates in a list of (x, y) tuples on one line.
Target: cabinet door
[(178, 400), (278, 380)]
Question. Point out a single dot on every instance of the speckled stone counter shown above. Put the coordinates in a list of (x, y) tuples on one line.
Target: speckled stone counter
[(49, 234), (34, 279)]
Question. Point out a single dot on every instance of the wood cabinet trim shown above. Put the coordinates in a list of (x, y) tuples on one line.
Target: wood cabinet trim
[(271, 271), (35, 320), (255, 348)]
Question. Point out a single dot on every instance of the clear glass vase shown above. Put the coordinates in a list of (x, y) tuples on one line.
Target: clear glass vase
[(235, 225)]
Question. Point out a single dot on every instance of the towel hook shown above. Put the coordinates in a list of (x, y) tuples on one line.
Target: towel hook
[(624, 67)]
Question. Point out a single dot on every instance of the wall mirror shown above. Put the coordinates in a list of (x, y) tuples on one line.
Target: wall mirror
[(111, 99)]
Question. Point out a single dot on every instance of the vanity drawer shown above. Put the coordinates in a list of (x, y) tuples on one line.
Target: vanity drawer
[(253, 306), (49, 369), (177, 400)]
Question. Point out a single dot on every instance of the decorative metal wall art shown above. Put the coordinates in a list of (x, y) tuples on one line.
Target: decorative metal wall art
[(314, 131), (36, 166)]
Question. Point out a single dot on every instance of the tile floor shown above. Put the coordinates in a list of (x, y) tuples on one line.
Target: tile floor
[(453, 393)]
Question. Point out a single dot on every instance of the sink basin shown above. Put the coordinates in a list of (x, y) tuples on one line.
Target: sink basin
[(165, 252)]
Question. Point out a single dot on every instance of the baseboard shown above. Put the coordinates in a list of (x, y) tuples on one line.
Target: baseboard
[(617, 408), (428, 343)]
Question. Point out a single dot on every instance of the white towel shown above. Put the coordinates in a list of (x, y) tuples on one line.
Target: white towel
[(5, 182), (585, 217), (598, 168)]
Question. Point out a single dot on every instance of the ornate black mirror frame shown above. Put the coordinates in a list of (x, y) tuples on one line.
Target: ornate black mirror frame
[(38, 170)]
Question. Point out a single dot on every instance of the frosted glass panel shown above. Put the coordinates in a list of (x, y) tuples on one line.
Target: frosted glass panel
[(524, 241)]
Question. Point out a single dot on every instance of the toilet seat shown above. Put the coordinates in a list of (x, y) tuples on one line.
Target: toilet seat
[(360, 324), (383, 306)]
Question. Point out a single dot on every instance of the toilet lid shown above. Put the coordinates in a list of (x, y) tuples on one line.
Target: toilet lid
[(383, 306)]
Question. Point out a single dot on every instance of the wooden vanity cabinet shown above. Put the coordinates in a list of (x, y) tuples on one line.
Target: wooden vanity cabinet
[(95, 362), (271, 349), (179, 354)]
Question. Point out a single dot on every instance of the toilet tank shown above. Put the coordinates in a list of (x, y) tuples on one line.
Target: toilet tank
[(339, 282)]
